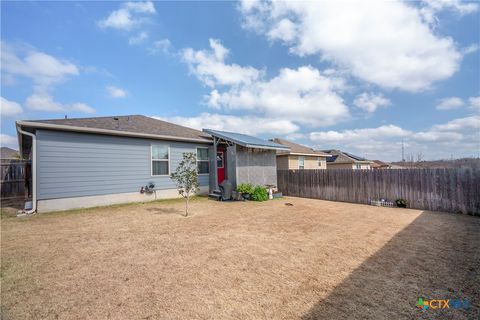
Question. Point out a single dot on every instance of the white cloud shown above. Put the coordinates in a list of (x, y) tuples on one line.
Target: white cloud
[(359, 135), (210, 68), (458, 6), (370, 102), (460, 136), (244, 124), (141, 7), (116, 92), (45, 102), (10, 108), (450, 103), (43, 69), (303, 95), (474, 103), (128, 16), (80, 107), (467, 123), (139, 38), (382, 42), (163, 45), (8, 141), (470, 49)]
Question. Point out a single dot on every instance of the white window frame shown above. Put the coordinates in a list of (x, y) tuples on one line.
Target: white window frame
[(208, 161), (319, 161), (223, 159), (303, 157), (151, 160), (358, 166)]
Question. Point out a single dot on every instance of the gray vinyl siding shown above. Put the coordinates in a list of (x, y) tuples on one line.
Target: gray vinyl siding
[(77, 164)]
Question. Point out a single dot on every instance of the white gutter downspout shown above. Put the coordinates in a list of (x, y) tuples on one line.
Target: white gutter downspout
[(34, 169)]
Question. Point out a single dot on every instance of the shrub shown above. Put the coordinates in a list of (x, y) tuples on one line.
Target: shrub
[(260, 194), (245, 188), (401, 203)]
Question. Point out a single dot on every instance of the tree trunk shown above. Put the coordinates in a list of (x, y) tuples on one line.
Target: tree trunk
[(186, 205)]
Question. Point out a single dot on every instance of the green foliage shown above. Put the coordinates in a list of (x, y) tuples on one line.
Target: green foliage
[(401, 203), (245, 188), (186, 177), (260, 194)]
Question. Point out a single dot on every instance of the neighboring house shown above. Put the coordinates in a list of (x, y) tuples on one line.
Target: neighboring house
[(377, 164), (97, 161), (344, 160), (299, 157), (8, 154)]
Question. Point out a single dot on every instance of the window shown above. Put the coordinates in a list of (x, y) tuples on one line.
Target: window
[(319, 161), (301, 162), (359, 166), (220, 159), (160, 160), (203, 165)]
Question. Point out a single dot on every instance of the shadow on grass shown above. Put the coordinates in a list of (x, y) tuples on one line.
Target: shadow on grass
[(170, 210), (435, 257)]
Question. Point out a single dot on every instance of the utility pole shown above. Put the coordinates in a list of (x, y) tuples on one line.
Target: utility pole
[(403, 151)]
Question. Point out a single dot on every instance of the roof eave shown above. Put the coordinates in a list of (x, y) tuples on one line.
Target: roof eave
[(59, 127), (240, 143)]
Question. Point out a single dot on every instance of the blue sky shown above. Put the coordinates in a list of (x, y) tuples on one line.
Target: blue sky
[(326, 74)]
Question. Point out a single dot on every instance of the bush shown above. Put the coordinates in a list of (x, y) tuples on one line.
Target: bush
[(401, 203), (245, 188), (260, 194)]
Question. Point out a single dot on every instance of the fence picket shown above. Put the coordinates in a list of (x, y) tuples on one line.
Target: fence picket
[(451, 190)]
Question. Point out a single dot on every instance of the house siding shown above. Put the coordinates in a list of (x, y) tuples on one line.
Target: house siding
[(77, 164), (353, 166), (290, 162)]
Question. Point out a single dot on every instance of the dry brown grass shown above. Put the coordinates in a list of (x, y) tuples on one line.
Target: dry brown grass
[(316, 259)]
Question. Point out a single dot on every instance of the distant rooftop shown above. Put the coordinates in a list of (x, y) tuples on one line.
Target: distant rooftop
[(298, 149), (343, 157), (246, 140)]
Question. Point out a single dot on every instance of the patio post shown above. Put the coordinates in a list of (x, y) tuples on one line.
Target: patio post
[(215, 171)]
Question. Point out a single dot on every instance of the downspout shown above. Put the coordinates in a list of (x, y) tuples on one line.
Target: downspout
[(34, 169)]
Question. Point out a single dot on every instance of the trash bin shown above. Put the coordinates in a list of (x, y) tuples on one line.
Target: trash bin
[(226, 188)]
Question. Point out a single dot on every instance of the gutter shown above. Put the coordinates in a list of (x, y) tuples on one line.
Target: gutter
[(34, 168), (61, 127)]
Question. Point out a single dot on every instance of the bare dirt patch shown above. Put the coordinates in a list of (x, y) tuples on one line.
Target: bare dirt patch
[(313, 260)]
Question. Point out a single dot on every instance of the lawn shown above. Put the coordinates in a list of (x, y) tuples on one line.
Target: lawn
[(242, 260)]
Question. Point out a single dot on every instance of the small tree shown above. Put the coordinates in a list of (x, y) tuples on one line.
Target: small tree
[(186, 177)]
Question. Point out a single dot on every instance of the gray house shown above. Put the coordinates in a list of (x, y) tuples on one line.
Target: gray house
[(97, 161)]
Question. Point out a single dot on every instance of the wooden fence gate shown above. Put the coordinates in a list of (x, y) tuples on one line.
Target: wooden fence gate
[(451, 190)]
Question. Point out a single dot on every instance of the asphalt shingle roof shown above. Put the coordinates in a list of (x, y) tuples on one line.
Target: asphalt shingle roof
[(137, 124), (343, 157), (298, 148)]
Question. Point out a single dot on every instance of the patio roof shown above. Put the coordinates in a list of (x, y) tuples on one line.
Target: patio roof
[(246, 140)]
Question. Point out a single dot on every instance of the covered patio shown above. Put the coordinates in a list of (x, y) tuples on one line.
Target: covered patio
[(241, 158)]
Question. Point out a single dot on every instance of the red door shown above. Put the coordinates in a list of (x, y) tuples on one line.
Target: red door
[(220, 166)]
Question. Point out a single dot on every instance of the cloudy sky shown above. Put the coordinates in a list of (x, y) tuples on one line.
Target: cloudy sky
[(362, 77)]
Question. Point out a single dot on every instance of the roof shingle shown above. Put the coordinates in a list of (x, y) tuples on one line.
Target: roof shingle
[(136, 124)]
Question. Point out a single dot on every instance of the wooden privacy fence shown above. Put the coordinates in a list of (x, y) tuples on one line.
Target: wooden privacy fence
[(12, 179), (451, 190)]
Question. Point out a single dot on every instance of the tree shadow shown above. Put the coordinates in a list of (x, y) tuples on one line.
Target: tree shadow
[(437, 256), (166, 211)]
